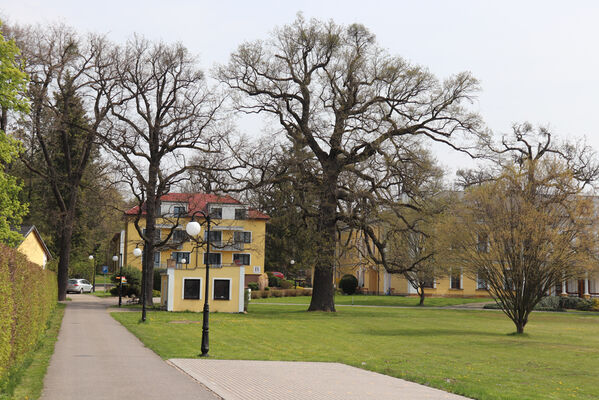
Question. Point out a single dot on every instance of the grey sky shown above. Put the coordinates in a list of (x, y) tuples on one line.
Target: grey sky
[(537, 61)]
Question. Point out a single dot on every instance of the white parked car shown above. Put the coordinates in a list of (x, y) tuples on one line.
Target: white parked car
[(79, 286)]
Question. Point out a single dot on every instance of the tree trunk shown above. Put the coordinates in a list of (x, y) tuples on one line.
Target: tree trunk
[(147, 269), (421, 294), (64, 254), (323, 293)]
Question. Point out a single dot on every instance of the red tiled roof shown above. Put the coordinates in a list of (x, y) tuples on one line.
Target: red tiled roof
[(199, 201)]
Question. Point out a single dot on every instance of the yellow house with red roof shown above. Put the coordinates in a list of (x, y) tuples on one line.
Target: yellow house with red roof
[(237, 238)]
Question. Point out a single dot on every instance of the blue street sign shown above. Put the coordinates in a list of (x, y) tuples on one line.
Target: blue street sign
[(104, 269)]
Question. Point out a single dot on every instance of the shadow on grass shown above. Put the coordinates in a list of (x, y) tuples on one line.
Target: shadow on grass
[(428, 332)]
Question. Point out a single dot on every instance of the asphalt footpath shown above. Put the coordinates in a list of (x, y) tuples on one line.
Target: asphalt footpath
[(97, 358)]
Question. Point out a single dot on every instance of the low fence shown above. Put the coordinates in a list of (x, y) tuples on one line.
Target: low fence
[(27, 297)]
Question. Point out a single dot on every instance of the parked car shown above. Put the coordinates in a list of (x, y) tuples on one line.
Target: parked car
[(79, 286)]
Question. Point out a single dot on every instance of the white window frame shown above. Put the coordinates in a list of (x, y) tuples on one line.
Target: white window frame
[(461, 279), (243, 265), (477, 283), (230, 288), (159, 259), (183, 286), (212, 252), (188, 259)]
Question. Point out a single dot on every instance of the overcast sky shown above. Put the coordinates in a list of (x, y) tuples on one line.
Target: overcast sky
[(537, 61)]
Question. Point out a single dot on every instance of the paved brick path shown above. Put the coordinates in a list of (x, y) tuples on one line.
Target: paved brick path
[(279, 380)]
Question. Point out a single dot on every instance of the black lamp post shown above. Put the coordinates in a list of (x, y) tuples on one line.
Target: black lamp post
[(193, 229)]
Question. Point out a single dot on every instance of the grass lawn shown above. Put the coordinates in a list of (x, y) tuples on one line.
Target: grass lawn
[(467, 352), (28, 381), (100, 293), (366, 300)]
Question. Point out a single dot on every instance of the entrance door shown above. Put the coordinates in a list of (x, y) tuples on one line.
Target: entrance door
[(580, 288)]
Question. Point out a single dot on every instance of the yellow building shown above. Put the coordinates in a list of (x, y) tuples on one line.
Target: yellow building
[(374, 279), (237, 238), (33, 246)]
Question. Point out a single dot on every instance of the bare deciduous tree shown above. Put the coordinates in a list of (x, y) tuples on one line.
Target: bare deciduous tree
[(161, 112), (350, 108)]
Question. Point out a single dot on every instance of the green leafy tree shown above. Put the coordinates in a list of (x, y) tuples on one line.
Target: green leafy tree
[(13, 82)]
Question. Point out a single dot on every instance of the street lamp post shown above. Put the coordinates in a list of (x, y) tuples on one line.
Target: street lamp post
[(91, 258), (294, 276), (115, 258), (193, 229)]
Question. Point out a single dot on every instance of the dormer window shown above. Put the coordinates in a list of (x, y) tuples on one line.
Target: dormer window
[(216, 212), (240, 213), (179, 211)]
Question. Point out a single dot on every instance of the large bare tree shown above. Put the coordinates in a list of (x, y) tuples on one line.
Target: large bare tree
[(346, 109), (162, 111)]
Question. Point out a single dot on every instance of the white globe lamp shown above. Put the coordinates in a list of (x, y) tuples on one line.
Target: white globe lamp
[(193, 228), (137, 252)]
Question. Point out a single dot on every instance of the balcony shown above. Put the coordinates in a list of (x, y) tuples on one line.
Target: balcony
[(227, 246)]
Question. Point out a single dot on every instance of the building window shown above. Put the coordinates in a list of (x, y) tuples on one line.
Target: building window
[(192, 289), (215, 259), (240, 213), (241, 259), (179, 211), (456, 279), (242, 237), (179, 256), (179, 236), (481, 283), (428, 283), (483, 243), (156, 259), (215, 236), (216, 212), (222, 289)]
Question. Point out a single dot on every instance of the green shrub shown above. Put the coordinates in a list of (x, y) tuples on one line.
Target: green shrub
[(155, 293), (571, 303), (285, 284), (28, 294), (492, 306), (265, 294), (277, 293), (549, 303), (254, 286), (348, 283), (585, 305), (133, 285)]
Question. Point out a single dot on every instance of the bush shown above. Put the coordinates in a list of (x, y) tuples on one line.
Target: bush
[(254, 286), (571, 303), (348, 284), (492, 306), (28, 294), (133, 285), (595, 305), (585, 305), (285, 284), (549, 303), (277, 293), (265, 294)]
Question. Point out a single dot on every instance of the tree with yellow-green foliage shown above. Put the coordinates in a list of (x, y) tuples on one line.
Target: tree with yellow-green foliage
[(530, 227), (13, 82)]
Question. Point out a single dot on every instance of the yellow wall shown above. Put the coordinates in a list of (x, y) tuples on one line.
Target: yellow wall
[(256, 248), (234, 304), (33, 249)]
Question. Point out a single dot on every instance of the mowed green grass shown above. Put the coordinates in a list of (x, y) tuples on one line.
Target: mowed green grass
[(367, 300), (472, 353)]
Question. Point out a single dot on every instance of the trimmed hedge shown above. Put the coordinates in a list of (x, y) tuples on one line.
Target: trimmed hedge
[(263, 294), (28, 296)]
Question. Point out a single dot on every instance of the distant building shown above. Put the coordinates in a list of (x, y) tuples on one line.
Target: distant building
[(33, 246), (237, 250)]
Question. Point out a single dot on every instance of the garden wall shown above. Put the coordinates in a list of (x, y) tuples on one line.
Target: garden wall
[(27, 297)]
